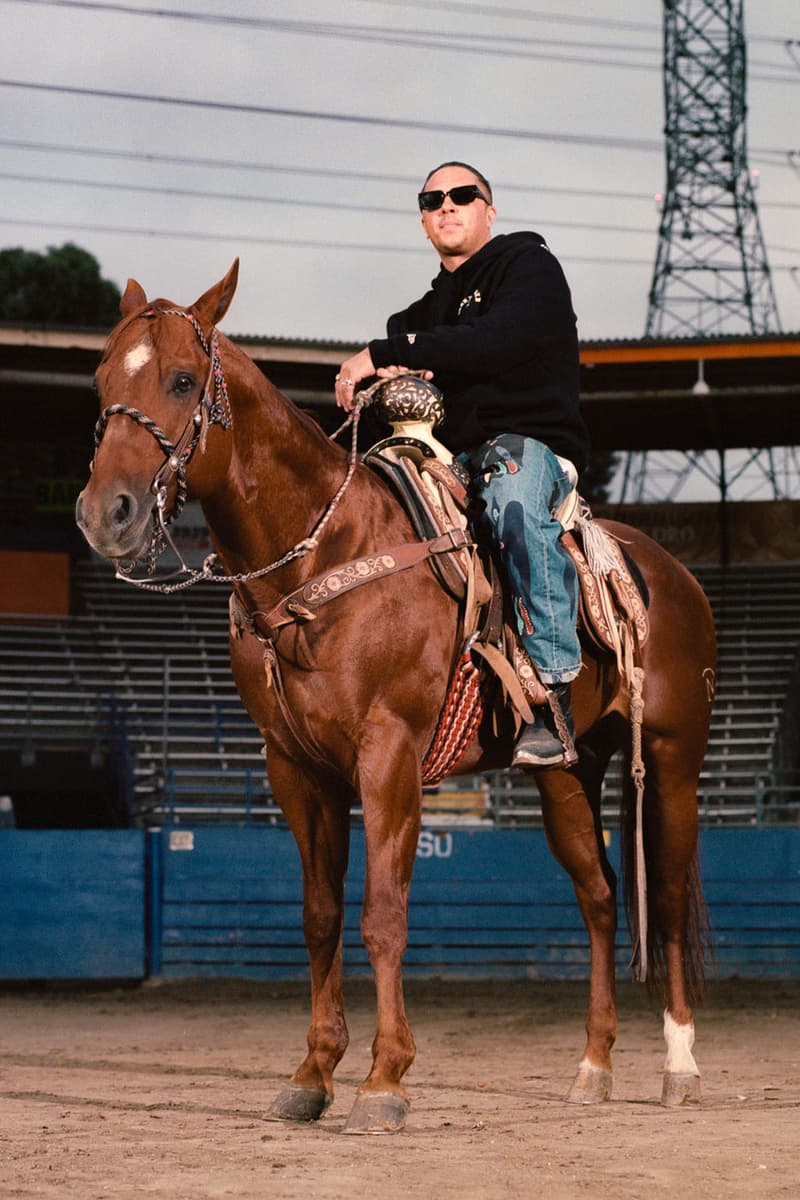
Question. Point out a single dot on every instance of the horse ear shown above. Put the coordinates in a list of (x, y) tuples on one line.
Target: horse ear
[(213, 304), (132, 298)]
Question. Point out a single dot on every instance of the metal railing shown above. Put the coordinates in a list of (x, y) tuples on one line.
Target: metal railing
[(501, 799)]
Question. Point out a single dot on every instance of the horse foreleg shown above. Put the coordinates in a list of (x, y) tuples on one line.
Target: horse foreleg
[(391, 828), (320, 823), (575, 839)]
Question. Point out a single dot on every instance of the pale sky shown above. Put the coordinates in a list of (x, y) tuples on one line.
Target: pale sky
[(563, 111)]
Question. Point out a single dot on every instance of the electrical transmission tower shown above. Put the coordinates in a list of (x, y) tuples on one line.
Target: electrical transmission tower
[(711, 274)]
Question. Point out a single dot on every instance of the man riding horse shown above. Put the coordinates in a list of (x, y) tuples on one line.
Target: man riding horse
[(498, 331)]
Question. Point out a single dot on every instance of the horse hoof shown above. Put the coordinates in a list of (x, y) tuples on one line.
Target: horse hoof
[(377, 1112), (592, 1085), (680, 1089), (298, 1103)]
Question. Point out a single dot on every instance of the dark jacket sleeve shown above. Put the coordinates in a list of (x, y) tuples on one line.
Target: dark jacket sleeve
[(530, 306)]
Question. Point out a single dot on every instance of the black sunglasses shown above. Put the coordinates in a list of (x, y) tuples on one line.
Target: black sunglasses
[(465, 194)]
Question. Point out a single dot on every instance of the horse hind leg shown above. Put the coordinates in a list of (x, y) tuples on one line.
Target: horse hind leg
[(681, 1083), (676, 907), (571, 808), (681, 1079)]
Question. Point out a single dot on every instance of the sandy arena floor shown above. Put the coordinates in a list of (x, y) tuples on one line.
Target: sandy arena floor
[(159, 1090)]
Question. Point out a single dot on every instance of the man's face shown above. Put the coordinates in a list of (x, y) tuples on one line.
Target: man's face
[(457, 231)]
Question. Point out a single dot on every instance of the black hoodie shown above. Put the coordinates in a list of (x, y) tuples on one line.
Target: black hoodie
[(500, 336)]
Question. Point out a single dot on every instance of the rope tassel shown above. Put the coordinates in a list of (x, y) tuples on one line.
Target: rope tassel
[(639, 958)]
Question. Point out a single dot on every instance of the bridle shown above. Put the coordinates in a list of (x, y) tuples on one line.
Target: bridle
[(213, 408)]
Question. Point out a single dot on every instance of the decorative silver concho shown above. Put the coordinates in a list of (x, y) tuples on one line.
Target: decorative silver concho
[(407, 398)]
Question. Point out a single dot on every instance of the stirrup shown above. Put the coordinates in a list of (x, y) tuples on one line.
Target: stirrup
[(549, 741), (538, 747)]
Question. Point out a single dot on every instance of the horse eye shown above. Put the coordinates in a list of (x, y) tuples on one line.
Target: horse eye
[(182, 384)]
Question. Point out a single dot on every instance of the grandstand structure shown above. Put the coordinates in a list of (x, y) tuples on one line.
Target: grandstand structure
[(121, 707), (140, 684)]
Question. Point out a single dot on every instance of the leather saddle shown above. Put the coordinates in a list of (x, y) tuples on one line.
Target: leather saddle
[(433, 487)]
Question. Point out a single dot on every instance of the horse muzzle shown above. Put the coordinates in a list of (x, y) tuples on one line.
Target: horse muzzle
[(116, 527)]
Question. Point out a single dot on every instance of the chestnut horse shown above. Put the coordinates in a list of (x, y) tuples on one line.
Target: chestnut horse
[(365, 681)]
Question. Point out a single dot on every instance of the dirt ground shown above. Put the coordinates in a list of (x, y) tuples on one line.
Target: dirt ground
[(159, 1091)]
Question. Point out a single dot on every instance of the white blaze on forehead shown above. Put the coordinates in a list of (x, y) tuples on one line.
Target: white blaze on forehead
[(140, 354)]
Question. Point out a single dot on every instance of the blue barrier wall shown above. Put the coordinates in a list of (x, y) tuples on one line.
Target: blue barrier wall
[(227, 901), (484, 903), (72, 904)]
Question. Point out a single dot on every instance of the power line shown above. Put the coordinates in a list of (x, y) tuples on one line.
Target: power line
[(458, 41), (228, 164), (254, 239), (328, 205), (450, 40), (289, 169), (617, 143), (291, 201), (495, 12), (207, 236), (505, 12), (299, 243), (643, 145)]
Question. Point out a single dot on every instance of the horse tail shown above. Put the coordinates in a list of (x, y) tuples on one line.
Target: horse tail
[(649, 962)]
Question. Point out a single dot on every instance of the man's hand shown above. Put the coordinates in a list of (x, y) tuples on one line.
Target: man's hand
[(351, 372), (361, 367)]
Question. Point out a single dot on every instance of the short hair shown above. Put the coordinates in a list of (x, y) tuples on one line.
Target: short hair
[(467, 167)]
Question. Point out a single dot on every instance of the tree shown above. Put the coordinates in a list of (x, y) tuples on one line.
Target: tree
[(62, 287)]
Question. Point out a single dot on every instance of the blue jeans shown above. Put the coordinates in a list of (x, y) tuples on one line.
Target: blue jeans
[(521, 484)]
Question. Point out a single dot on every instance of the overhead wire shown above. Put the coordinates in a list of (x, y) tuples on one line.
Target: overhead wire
[(239, 238), (457, 41), (364, 119), (642, 145), (265, 240), (460, 40), (295, 201), (227, 164), (300, 202)]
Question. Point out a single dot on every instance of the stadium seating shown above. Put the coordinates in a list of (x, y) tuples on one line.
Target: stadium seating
[(147, 677)]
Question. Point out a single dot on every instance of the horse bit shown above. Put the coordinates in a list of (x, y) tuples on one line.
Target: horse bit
[(216, 411)]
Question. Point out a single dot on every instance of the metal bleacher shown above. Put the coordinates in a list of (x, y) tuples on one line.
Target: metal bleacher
[(150, 675)]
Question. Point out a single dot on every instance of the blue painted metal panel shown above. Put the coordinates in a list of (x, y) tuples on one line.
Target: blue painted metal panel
[(228, 901), (751, 879), (72, 904), (484, 903)]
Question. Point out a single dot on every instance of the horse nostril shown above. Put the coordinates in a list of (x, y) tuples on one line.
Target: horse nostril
[(123, 511)]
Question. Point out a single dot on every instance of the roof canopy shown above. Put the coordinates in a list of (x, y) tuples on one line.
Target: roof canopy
[(720, 393)]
